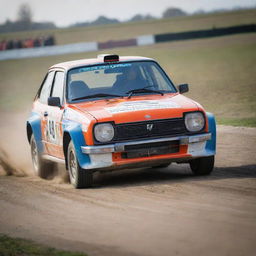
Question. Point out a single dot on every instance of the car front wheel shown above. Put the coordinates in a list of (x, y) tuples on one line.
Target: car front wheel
[(202, 166), (42, 168), (79, 177)]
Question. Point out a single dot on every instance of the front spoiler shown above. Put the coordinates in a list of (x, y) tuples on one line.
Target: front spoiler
[(120, 147)]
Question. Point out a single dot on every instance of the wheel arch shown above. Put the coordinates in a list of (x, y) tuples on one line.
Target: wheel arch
[(72, 131), (66, 140), (29, 131), (211, 144), (33, 126)]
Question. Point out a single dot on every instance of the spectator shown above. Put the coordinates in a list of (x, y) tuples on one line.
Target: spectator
[(27, 43), (37, 42), (49, 41), (15, 44), (19, 44), (9, 45), (3, 45)]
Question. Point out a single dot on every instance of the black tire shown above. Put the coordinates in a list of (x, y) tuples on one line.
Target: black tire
[(43, 169), (202, 166), (79, 177)]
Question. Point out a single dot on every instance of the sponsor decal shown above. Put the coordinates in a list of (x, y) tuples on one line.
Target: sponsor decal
[(142, 105), (72, 115), (100, 67)]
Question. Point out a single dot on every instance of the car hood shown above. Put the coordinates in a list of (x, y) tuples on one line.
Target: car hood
[(138, 108)]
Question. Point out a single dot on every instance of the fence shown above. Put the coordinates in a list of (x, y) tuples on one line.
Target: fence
[(139, 41)]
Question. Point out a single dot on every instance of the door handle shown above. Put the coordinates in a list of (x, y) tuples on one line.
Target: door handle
[(45, 113)]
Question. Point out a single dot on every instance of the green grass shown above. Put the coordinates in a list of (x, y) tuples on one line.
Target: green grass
[(129, 30), (247, 122), (21, 247), (221, 72)]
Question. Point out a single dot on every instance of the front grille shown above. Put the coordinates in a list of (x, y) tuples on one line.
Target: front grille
[(150, 149), (149, 129)]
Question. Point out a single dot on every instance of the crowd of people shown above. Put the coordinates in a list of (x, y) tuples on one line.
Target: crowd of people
[(27, 43)]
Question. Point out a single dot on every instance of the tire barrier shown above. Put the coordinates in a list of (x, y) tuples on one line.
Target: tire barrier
[(117, 43), (48, 51), (205, 33)]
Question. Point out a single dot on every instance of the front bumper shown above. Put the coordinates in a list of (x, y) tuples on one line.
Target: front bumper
[(102, 159), (120, 147)]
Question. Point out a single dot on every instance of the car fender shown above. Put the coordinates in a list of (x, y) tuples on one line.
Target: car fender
[(211, 144), (74, 129), (35, 123)]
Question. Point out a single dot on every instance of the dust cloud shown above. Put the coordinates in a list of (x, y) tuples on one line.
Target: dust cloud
[(7, 167), (15, 158)]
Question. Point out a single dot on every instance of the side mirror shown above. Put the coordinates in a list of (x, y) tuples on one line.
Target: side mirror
[(54, 101), (183, 88)]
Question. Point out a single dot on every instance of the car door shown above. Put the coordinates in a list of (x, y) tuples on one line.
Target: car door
[(54, 118), (41, 105)]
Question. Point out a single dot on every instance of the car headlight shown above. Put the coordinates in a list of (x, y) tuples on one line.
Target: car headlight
[(104, 132), (194, 121)]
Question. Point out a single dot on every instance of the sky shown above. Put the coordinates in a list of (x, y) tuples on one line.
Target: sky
[(66, 12)]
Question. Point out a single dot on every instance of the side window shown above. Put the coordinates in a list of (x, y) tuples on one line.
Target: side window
[(58, 84), (46, 88)]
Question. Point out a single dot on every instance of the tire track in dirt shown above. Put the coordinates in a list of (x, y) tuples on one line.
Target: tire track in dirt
[(137, 212)]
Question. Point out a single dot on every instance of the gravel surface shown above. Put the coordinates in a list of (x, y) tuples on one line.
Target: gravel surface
[(137, 212)]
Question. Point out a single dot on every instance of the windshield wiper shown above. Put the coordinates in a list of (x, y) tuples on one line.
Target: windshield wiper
[(142, 90), (97, 95)]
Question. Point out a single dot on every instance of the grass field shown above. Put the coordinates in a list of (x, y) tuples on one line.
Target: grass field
[(129, 30), (21, 247), (221, 72)]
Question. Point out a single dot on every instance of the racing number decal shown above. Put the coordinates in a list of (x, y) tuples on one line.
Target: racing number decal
[(52, 131)]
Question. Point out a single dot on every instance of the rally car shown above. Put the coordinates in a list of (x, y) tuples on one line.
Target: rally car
[(113, 113)]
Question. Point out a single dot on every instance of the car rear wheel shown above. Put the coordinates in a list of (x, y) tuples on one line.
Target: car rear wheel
[(202, 166), (79, 177), (42, 168)]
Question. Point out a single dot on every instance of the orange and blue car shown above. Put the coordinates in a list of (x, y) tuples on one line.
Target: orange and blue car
[(115, 112)]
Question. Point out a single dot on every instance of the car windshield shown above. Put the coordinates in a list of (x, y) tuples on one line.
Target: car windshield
[(110, 80)]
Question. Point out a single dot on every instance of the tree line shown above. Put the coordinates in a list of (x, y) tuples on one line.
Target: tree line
[(25, 22)]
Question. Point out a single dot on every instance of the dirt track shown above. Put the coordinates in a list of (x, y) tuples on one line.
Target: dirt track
[(141, 212)]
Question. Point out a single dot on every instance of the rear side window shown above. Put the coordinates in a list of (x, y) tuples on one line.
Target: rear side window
[(46, 88), (58, 84)]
